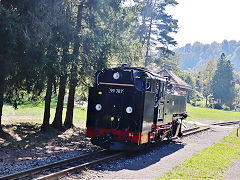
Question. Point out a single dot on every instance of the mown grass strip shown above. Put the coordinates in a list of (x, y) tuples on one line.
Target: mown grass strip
[(198, 113), (210, 163), (34, 114)]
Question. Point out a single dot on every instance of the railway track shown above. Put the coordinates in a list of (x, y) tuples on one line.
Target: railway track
[(31, 172), (64, 167), (192, 131), (226, 123)]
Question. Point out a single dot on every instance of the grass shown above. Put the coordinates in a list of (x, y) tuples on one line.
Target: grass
[(34, 114), (197, 113), (210, 163)]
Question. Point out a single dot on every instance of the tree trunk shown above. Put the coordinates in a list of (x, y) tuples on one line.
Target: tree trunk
[(1, 99), (68, 123), (149, 37), (57, 122), (47, 104), (2, 79), (206, 101), (143, 36)]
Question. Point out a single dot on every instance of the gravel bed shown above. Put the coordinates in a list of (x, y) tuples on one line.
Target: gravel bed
[(11, 168), (62, 146), (155, 162)]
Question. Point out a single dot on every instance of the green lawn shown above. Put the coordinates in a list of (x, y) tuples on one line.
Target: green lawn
[(198, 113), (30, 113), (210, 163)]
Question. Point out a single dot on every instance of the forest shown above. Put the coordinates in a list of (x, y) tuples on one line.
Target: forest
[(211, 78), (51, 49), (195, 56)]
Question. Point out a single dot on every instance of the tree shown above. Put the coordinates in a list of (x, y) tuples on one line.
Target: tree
[(31, 49), (222, 83), (66, 33), (235, 58), (171, 62), (8, 44), (68, 123), (156, 26), (188, 78), (206, 76), (105, 40), (17, 49), (52, 61)]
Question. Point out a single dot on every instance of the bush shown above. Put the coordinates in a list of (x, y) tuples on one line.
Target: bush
[(226, 108), (217, 106), (196, 103)]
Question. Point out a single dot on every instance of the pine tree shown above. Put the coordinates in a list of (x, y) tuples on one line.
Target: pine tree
[(66, 32), (156, 26), (222, 84), (19, 38), (104, 28)]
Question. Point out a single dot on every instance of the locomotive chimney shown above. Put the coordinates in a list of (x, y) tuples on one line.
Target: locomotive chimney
[(124, 65)]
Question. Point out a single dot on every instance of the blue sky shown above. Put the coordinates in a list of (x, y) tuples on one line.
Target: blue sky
[(207, 20)]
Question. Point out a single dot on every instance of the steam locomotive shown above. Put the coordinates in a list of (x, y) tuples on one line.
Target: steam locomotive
[(130, 106)]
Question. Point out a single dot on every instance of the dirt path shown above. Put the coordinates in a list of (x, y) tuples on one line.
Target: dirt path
[(234, 172)]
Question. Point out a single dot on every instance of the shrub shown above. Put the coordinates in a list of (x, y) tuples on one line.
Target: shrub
[(217, 106)]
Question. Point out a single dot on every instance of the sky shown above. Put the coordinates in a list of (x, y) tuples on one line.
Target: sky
[(206, 21)]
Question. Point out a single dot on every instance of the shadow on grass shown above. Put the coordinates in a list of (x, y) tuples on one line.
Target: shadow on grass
[(26, 141), (25, 135), (4, 135)]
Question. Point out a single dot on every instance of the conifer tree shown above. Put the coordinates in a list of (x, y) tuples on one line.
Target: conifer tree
[(19, 57), (156, 26), (222, 84)]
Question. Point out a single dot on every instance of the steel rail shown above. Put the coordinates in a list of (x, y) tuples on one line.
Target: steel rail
[(191, 129), (226, 123), (82, 166), (194, 131)]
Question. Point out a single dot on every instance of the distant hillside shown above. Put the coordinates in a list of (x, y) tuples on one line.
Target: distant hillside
[(196, 55)]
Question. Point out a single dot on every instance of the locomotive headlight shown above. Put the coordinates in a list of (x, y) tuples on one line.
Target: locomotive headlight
[(98, 107), (116, 75), (129, 110)]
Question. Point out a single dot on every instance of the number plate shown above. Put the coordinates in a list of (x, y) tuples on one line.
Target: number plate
[(116, 91)]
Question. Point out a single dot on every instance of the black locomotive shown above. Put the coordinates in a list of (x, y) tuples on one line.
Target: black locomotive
[(130, 106)]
